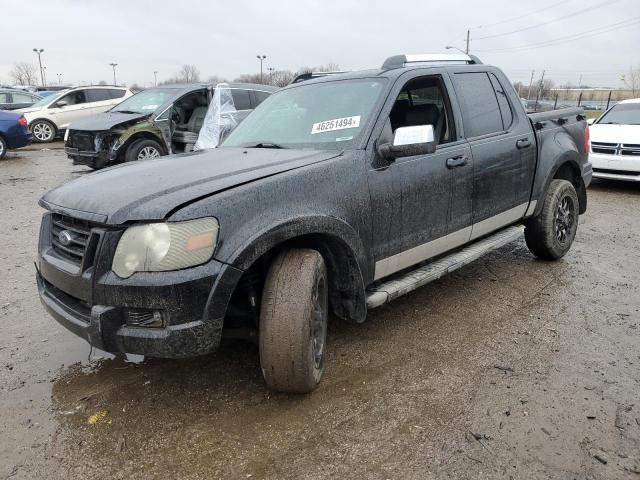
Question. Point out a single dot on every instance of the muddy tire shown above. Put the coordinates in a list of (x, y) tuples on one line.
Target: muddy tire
[(293, 322), (550, 234), (143, 149), (3, 148), (43, 131)]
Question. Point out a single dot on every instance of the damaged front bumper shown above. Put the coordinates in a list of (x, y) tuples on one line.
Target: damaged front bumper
[(96, 150)]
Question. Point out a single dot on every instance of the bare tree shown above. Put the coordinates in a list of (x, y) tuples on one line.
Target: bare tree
[(189, 74), (24, 74), (215, 79), (280, 78), (102, 82), (631, 80)]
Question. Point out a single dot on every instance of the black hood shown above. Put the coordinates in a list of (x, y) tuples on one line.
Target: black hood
[(151, 189), (106, 121)]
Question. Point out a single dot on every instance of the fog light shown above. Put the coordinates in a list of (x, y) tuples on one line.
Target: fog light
[(141, 317)]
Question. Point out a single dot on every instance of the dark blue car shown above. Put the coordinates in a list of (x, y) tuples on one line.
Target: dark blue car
[(13, 132)]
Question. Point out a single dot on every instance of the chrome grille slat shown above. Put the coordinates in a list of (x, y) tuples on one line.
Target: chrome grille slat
[(628, 149), (81, 231)]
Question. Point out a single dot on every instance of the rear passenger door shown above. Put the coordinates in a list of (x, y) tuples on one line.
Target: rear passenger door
[(495, 137), (99, 100)]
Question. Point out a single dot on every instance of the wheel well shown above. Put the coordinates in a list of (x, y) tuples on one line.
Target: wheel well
[(55, 127), (346, 292), (569, 171)]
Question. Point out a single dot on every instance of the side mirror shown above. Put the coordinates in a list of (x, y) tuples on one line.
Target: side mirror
[(61, 103), (591, 121), (409, 141)]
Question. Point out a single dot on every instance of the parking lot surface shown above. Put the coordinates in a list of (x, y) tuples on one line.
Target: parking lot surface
[(508, 368)]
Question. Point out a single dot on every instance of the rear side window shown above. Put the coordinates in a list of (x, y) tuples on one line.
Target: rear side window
[(480, 109), (4, 97), (503, 102), (24, 98), (97, 95), (241, 99), (260, 97), (116, 93)]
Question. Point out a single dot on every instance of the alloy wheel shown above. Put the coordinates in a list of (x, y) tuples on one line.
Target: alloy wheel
[(148, 152), (564, 219), (42, 131)]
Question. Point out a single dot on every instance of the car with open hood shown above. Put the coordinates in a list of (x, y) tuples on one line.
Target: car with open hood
[(52, 115), (159, 121), (338, 193)]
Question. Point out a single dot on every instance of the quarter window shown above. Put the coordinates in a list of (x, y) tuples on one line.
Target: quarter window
[(241, 99), (503, 102), (116, 93), (480, 109), (98, 95)]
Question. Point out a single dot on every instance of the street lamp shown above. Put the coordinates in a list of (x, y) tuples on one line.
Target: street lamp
[(39, 52), (155, 78), (114, 65), (44, 71), (449, 47), (271, 69), (261, 58), (59, 75)]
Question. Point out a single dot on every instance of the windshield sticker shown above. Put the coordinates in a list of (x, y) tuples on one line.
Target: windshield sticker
[(335, 124), (344, 139), (149, 107)]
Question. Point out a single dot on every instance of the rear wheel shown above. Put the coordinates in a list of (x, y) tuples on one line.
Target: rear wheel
[(550, 234), (293, 322), (3, 148), (43, 131), (143, 149)]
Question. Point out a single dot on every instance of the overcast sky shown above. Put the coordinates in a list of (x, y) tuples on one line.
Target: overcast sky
[(81, 37)]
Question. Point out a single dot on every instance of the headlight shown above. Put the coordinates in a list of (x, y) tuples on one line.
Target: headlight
[(66, 135), (159, 247)]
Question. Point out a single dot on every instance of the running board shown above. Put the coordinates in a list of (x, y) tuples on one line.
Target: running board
[(392, 289)]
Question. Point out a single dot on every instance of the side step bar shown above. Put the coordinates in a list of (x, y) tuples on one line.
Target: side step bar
[(392, 289)]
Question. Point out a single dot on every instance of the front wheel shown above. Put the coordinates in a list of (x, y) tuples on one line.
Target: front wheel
[(293, 322), (550, 234), (144, 149), (43, 131)]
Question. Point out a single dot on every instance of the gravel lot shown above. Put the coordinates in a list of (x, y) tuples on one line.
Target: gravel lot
[(508, 368)]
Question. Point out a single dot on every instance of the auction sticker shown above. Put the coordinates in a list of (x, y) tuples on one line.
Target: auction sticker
[(335, 124)]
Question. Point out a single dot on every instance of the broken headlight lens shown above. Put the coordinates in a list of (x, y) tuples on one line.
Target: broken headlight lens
[(160, 247)]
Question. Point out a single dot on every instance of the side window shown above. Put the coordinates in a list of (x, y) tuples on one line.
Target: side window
[(73, 98), (23, 98), (503, 102), (116, 93), (241, 99), (423, 101), (480, 110), (259, 97), (4, 97), (97, 95)]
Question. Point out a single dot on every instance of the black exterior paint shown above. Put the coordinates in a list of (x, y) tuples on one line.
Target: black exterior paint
[(355, 207)]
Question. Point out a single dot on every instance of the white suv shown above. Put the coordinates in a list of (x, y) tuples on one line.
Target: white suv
[(53, 114)]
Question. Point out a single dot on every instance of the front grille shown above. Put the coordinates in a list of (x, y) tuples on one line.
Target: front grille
[(616, 148), (83, 142), (76, 237), (602, 147)]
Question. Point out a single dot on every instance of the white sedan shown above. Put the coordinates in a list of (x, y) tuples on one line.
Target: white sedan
[(615, 142)]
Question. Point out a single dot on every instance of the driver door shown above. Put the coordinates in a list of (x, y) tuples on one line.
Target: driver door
[(421, 204)]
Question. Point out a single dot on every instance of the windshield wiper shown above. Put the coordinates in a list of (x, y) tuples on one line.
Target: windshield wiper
[(264, 145)]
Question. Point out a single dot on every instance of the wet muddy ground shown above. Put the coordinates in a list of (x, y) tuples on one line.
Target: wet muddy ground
[(508, 368)]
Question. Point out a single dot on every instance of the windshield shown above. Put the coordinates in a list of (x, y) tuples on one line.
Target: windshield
[(622, 114), (146, 101), (319, 114), (48, 100)]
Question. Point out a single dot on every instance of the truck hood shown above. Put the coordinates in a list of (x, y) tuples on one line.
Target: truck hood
[(106, 121), (151, 189), (615, 133)]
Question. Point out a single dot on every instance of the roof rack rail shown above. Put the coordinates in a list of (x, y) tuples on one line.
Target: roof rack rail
[(309, 75), (399, 61)]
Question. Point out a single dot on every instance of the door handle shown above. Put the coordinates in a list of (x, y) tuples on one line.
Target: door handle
[(459, 161), (523, 143)]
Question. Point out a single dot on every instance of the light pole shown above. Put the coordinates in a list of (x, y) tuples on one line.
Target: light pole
[(44, 71), (59, 78), (155, 78), (114, 65), (261, 58), (39, 52), (271, 69)]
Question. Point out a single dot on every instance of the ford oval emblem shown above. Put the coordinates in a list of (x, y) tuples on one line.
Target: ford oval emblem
[(65, 237)]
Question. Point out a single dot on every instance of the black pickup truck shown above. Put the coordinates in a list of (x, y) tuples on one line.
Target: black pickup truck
[(337, 194)]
